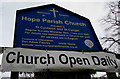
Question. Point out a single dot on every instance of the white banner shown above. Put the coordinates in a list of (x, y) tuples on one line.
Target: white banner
[(30, 60)]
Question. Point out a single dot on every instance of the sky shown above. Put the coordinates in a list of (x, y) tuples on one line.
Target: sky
[(91, 9)]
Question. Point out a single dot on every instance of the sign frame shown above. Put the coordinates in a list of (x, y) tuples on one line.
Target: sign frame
[(65, 49), (18, 59)]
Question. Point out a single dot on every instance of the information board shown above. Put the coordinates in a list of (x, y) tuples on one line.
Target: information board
[(18, 59), (53, 27)]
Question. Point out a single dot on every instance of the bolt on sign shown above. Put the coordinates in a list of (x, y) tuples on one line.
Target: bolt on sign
[(53, 27)]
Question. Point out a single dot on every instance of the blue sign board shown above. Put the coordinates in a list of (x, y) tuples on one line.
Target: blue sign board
[(53, 27)]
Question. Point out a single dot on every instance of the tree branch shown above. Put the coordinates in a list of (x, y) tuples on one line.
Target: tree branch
[(111, 39)]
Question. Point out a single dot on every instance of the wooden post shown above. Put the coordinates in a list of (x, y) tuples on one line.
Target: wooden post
[(84, 75), (40, 75), (14, 75), (62, 75), (111, 75)]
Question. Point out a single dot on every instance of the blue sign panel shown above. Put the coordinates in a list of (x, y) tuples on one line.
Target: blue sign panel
[(52, 27)]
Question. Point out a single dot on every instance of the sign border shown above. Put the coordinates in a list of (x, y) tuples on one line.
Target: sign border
[(54, 5)]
